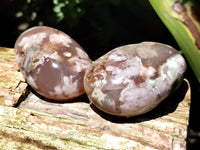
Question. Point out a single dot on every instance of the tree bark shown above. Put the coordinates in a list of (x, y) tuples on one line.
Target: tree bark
[(28, 121)]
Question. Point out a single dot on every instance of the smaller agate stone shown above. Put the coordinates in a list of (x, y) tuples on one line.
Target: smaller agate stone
[(52, 62), (133, 79)]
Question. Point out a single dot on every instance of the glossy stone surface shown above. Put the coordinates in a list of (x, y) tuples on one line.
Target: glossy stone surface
[(52, 62), (133, 79)]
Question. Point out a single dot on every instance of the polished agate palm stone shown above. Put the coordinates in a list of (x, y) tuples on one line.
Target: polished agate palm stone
[(52, 63), (133, 79)]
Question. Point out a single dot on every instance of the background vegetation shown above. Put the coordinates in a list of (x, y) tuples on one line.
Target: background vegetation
[(98, 26)]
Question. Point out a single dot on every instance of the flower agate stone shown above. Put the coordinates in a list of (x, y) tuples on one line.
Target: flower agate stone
[(52, 63), (133, 79)]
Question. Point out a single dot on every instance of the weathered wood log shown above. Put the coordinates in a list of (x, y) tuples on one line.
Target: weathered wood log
[(12, 84), (36, 123)]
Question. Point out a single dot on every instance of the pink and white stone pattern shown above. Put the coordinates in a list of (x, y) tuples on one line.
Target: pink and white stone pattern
[(52, 62), (133, 79)]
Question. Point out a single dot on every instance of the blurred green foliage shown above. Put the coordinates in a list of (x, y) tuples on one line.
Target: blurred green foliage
[(68, 9), (56, 12)]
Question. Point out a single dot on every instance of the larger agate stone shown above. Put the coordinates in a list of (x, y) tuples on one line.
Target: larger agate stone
[(133, 79)]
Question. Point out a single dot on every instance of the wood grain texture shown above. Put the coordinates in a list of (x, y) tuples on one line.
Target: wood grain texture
[(37, 123), (12, 84)]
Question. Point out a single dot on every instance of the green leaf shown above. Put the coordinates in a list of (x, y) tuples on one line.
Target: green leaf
[(28, 1), (58, 7), (55, 2)]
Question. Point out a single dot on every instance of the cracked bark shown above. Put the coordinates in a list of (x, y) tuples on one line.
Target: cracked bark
[(38, 124)]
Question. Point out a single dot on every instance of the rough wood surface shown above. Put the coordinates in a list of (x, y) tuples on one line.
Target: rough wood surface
[(12, 86), (35, 123)]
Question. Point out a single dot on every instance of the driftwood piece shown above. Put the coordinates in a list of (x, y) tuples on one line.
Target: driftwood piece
[(36, 123), (12, 84)]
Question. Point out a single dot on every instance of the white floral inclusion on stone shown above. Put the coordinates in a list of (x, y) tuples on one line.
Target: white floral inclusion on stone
[(69, 86), (60, 38), (29, 40), (31, 81)]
